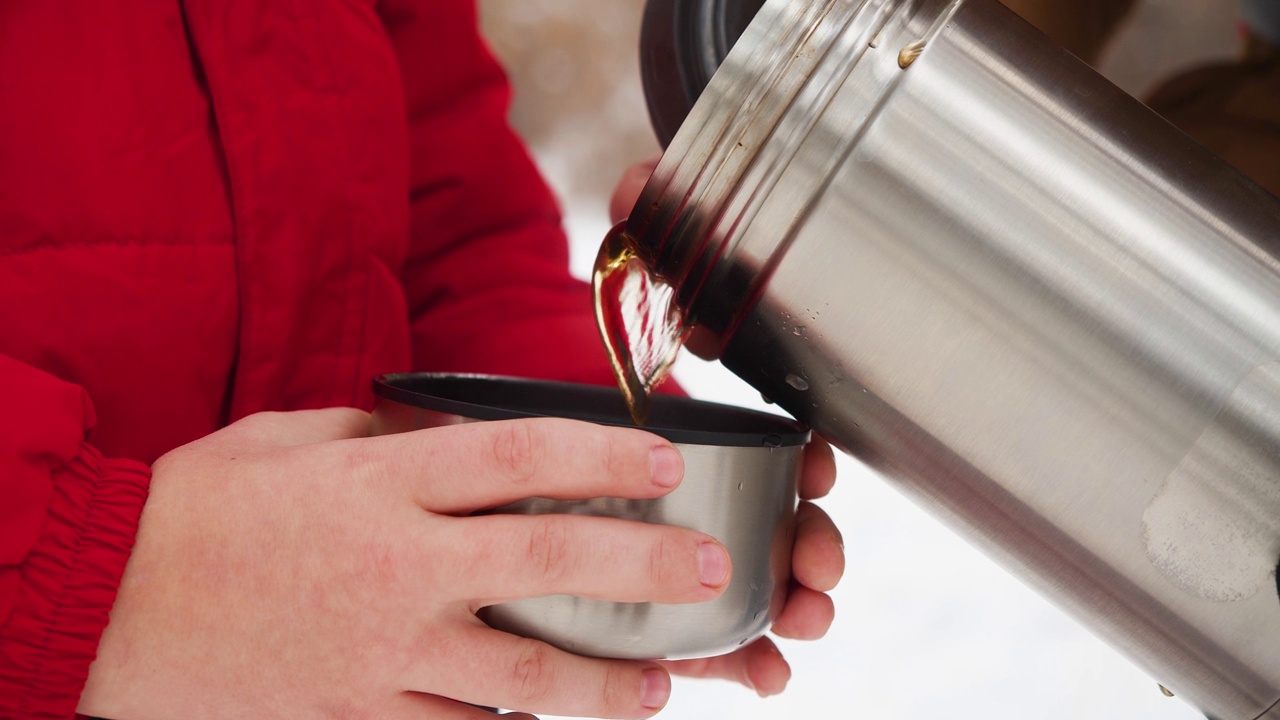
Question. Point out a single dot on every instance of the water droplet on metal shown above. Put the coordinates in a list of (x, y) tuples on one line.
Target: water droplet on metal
[(740, 485), (909, 53), (768, 400), (797, 330), (1166, 691), (875, 41), (772, 440), (797, 382)]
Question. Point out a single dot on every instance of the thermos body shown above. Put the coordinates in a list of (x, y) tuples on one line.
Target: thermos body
[(1041, 311)]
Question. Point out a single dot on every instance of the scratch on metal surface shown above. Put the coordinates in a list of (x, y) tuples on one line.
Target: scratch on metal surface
[(1214, 528)]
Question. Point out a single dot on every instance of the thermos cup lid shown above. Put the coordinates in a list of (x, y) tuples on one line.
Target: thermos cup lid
[(678, 419)]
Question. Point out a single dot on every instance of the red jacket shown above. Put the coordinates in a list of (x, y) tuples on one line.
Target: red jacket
[(210, 208)]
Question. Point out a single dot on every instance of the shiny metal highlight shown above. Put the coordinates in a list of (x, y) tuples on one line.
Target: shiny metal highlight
[(1030, 303)]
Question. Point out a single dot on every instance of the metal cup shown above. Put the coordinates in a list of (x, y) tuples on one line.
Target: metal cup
[(741, 471)]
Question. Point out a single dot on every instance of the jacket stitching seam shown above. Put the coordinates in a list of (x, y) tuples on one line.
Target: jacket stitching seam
[(351, 296), (242, 236)]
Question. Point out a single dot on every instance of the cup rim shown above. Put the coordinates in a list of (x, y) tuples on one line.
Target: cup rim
[(497, 397)]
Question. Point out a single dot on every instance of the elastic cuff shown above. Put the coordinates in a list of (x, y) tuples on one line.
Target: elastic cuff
[(68, 584)]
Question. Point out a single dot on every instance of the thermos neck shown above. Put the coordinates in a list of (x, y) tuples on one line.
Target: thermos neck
[(729, 167)]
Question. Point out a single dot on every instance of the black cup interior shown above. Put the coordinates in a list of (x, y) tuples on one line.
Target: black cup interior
[(678, 419)]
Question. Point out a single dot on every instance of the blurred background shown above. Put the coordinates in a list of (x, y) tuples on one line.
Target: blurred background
[(926, 626)]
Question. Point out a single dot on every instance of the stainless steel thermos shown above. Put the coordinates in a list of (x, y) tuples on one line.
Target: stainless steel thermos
[(1041, 311)]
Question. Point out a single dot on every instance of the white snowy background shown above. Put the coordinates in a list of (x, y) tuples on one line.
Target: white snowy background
[(926, 628)]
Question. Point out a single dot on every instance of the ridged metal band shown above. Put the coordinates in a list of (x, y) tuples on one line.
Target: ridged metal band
[(728, 166)]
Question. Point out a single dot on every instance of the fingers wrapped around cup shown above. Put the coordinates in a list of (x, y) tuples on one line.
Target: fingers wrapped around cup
[(598, 552)]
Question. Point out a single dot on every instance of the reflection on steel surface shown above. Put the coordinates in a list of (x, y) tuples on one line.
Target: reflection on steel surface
[(1034, 306)]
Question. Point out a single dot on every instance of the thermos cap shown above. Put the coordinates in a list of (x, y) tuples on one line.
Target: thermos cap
[(682, 43)]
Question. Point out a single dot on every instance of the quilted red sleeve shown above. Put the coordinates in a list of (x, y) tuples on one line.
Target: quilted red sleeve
[(67, 522), (487, 272)]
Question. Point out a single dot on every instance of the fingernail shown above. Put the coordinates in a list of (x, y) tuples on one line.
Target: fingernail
[(667, 466), (655, 688), (713, 565)]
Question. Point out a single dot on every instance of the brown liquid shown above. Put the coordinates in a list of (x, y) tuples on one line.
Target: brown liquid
[(640, 325), (909, 54)]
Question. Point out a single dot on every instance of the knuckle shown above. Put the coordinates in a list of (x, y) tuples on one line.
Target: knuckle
[(532, 674), (548, 551), (257, 422), (659, 561), (263, 429), (673, 561), (622, 460), (351, 414), (352, 418), (617, 692), (518, 450), (613, 461)]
